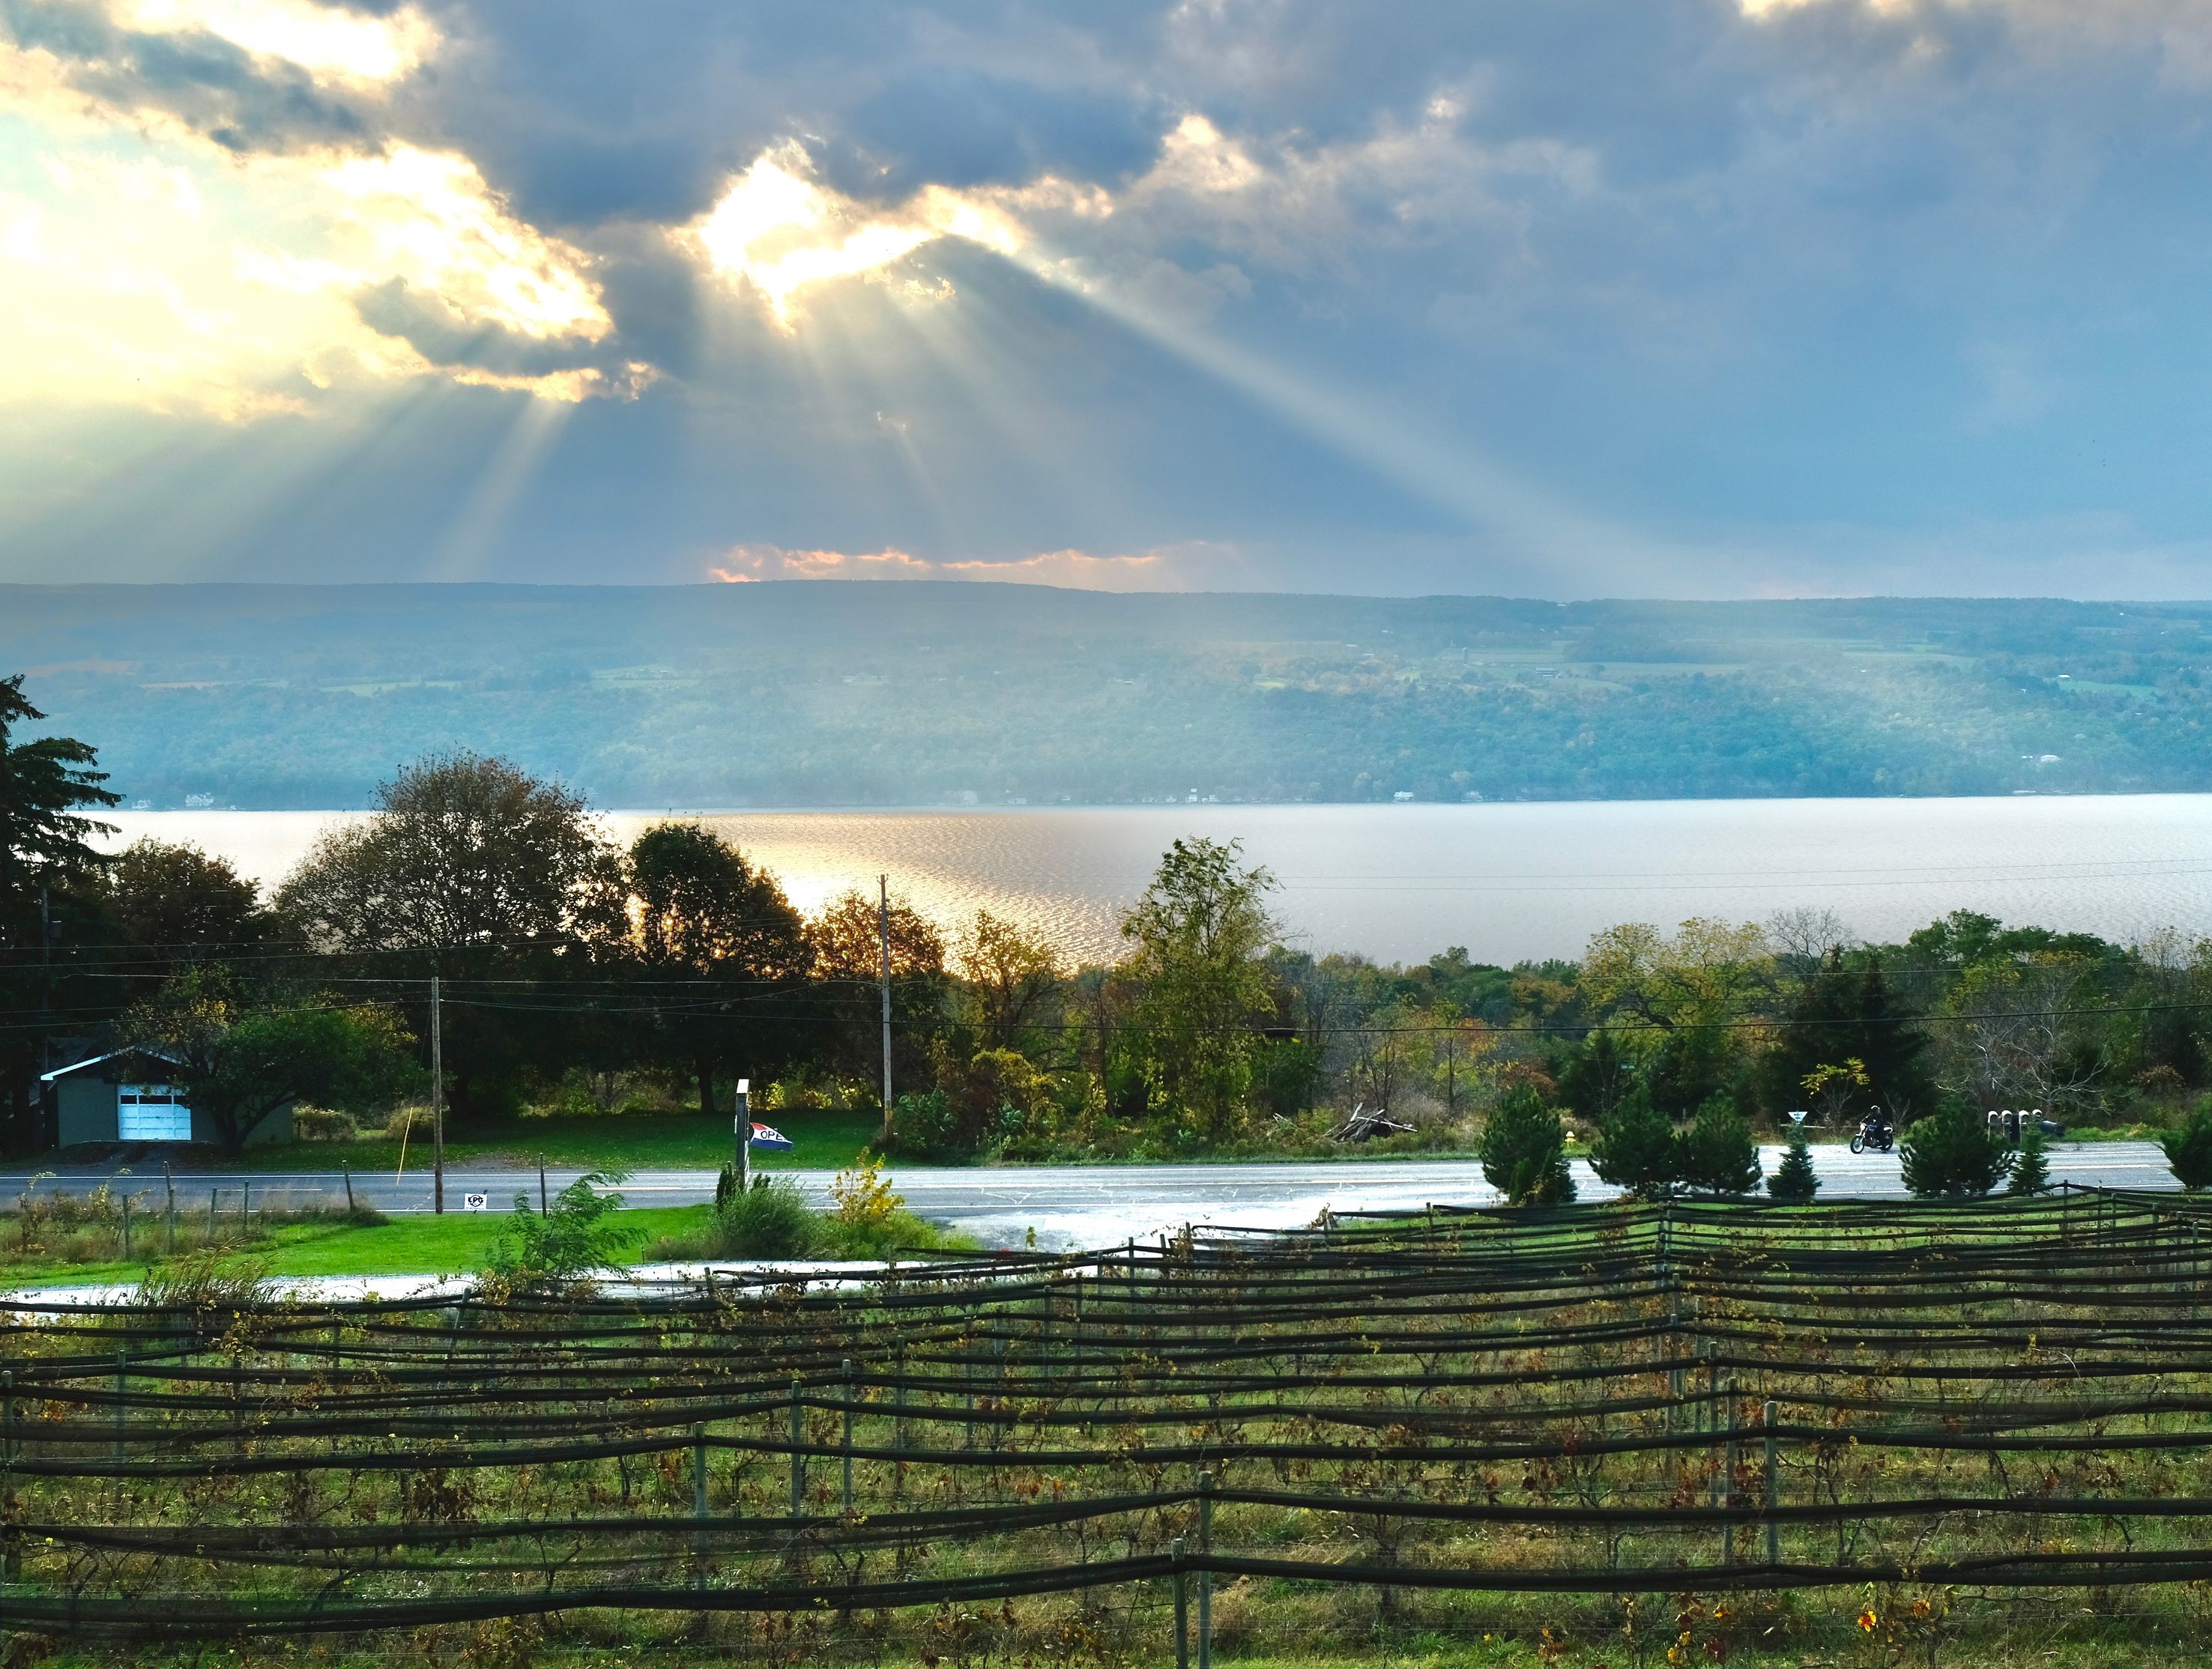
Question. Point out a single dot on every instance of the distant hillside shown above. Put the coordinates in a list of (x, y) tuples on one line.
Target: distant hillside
[(923, 694)]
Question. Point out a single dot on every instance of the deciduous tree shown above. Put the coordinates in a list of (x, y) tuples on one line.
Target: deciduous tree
[(475, 871), (1200, 934), (238, 1064), (722, 959)]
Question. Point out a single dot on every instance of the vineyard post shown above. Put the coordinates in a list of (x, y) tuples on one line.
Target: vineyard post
[(898, 1421), (699, 1505), (798, 1457), (1205, 1577), (169, 1182), (1773, 1481), (1182, 1605), (126, 1229), (848, 1436), (10, 1557), (122, 1367), (1725, 1484)]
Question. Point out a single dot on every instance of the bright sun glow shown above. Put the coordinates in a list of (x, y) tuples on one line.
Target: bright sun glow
[(329, 44), (431, 219), (778, 230)]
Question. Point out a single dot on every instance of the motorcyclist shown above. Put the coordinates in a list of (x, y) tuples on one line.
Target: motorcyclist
[(1875, 1131)]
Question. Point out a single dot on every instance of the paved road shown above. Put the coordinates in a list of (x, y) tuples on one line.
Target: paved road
[(1067, 1205)]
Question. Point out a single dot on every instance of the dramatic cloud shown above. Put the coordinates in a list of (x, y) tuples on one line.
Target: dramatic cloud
[(1629, 296), (331, 45)]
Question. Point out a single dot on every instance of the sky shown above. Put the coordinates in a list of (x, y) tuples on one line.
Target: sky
[(1588, 298)]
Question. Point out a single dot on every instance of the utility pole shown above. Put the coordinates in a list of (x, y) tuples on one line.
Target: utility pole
[(437, 1105), (47, 935), (883, 938)]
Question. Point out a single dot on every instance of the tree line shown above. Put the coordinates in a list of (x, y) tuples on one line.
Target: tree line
[(573, 972)]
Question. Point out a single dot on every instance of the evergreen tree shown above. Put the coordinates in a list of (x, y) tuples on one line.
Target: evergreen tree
[(1951, 1153), (1597, 1077), (1524, 1150), (1794, 1181), (1847, 1011), (48, 871), (2030, 1174), (1636, 1149), (1718, 1154), (2189, 1149)]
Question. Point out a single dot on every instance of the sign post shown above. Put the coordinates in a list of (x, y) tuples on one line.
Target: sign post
[(744, 1133)]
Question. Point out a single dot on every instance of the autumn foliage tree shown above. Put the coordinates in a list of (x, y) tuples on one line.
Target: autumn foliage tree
[(1200, 935)]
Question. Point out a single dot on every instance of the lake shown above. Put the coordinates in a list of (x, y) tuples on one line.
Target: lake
[(1507, 881)]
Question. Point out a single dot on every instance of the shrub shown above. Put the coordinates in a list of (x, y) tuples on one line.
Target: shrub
[(1636, 1149), (1718, 1155), (770, 1219), (2189, 1149), (2030, 1174), (575, 1238), (1524, 1150), (322, 1124), (1794, 1181), (861, 1195), (928, 1126), (1951, 1153)]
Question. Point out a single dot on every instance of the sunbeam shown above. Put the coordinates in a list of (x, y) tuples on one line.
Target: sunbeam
[(537, 424)]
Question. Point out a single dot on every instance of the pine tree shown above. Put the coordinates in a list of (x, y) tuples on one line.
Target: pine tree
[(1718, 1155), (1524, 1150), (1636, 1149), (2189, 1149), (2030, 1174), (1951, 1153), (1794, 1181)]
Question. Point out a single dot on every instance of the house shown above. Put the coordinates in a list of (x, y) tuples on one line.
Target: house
[(124, 1096)]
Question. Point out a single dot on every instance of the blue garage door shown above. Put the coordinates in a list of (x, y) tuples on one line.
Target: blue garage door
[(152, 1113)]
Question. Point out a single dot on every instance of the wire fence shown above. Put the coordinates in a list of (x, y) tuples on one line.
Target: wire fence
[(1687, 1400)]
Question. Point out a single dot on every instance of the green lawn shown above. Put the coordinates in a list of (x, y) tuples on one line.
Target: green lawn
[(820, 1141), (454, 1244)]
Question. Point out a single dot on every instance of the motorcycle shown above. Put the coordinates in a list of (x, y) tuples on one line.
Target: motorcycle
[(1874, 1132)]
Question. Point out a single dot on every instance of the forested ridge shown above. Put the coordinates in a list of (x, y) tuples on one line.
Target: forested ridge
[(919, 694)]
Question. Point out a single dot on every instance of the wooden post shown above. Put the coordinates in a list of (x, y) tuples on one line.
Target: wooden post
[(437, 1103), (122, 1365), (797, 1459), (11, 1555), (169, 1182), (346, 1171), (126, 1229), (848, 1437), (1182, 1605), (1773, 1488), (883, 938), (699, 1505), (1205, 1577), (1726, 1479)]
